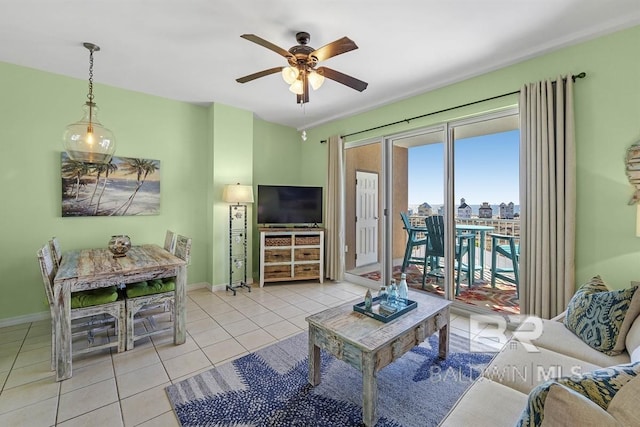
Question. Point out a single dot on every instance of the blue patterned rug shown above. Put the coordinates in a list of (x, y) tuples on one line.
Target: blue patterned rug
[(270, 388)]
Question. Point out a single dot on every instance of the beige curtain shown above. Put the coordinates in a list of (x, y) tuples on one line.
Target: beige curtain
[(548, 193), (335, 207)]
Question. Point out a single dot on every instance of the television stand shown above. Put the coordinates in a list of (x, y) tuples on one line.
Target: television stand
[(290, 254)]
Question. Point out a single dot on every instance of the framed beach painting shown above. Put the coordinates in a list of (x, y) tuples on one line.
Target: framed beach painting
[(124, 186)]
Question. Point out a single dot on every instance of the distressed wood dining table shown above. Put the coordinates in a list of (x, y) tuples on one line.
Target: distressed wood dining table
[(369, 345), (96, 268)]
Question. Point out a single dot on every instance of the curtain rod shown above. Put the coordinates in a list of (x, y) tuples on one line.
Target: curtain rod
[(578, 76)]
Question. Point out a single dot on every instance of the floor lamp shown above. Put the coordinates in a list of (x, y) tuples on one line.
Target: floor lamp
[(240, 195)]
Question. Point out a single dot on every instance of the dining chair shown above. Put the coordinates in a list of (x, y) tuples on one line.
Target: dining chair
[(509, 250), (87, 310), (144, 298), (465, 242), (415, 250), (56, 252), (170, 241)]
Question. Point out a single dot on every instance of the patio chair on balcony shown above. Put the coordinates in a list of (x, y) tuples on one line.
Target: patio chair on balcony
[(465, 242), (415, 252), (511, 251)]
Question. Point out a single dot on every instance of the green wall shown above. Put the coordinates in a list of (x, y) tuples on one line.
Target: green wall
[(276, 161), (607, 108), (36, 106)]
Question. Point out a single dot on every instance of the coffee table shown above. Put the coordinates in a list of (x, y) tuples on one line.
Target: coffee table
[(369, 345)]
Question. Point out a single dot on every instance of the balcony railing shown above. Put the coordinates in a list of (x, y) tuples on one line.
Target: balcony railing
[(509, 227)]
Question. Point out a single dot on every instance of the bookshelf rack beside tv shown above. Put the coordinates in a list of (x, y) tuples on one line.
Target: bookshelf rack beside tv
[(288, 254)]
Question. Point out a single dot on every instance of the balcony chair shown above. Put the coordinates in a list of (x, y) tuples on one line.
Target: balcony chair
[(91, 311), (509, 250), (416, 242), (145, 301), (465, 244)]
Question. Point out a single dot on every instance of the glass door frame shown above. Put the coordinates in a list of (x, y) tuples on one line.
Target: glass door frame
[(385, 273), (448, 129)]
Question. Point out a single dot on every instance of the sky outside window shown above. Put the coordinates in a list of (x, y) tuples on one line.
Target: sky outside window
[(486, 170)]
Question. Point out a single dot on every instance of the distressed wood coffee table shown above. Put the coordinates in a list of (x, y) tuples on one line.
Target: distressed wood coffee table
[(369, 345)]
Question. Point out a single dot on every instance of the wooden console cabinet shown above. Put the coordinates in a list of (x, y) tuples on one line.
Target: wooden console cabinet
[(291, 254)]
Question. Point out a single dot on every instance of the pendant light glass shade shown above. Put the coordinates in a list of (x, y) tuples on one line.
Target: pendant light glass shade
[(87, 140)]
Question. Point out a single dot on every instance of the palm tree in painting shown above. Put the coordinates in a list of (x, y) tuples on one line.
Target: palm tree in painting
[(142, 168), (72, 169), (100, 169)]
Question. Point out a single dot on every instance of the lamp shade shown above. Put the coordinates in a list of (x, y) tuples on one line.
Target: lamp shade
[(290, 74), (236, 193), (316, 79), (297, 87)]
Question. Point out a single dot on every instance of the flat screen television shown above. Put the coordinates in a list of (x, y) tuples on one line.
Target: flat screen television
[(288, 204)]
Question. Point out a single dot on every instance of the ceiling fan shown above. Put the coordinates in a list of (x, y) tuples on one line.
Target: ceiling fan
[(302, 61)]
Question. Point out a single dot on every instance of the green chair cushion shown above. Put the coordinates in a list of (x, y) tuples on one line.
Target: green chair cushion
[(94, 297), (150, 287), (599, 386), (600, 317)]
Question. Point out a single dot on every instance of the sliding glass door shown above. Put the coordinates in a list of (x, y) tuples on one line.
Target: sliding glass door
[(462, 179), (486, 203)]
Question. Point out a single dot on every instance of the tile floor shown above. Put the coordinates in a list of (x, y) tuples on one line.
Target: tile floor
[(127, 389)]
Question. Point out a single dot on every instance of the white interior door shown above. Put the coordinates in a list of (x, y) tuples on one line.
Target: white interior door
[(366, 218)]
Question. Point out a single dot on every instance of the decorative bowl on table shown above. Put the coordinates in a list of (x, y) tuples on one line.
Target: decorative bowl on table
[(119, 245)]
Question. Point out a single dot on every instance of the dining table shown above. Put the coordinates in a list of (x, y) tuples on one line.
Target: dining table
[(86, 269)]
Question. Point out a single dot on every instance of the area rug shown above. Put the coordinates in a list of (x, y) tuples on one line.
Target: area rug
[(270, 388), (501, 299)]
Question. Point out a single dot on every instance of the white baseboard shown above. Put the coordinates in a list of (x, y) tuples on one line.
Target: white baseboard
[(27, 318), (44, 315)]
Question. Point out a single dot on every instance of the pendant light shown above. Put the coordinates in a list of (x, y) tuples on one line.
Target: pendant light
[(87, 140)]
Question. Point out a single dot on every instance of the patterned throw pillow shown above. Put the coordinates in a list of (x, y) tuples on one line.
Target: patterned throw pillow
[(599, 386), (602, 318)]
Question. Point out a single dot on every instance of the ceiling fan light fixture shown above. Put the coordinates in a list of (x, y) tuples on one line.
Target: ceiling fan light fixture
[(315, 79), (290, 74), (297, 87)]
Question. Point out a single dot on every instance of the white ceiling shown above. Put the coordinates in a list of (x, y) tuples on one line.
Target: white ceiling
[(191, 50)]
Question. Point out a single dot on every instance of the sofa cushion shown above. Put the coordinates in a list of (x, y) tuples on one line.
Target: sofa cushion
[(624, 405), (555, 336), (599, 386), (558, 405), (522, 370), (471, 408), (602, 318), (565, 407), (632, 341)]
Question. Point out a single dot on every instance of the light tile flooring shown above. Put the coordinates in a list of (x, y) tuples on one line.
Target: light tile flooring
[(127, 389)]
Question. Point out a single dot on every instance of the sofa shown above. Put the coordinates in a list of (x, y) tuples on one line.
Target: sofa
[(563, 377)]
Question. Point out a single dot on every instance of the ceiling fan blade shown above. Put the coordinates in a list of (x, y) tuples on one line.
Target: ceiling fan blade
[(259, 74), (334, 48), (346, 80), (262, 42)]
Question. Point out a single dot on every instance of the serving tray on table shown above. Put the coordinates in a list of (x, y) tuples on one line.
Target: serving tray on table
[(378, 311)]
